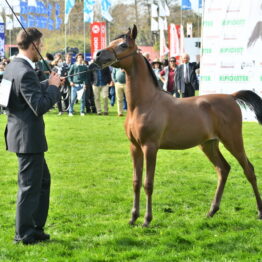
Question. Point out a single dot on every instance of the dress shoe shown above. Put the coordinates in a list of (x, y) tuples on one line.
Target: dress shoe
[(41, 236), (26, 241)]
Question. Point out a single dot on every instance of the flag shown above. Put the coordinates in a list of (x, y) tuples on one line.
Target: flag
[(154, 12), (154, 24), (161, 9), (69, 4), (167, 12), (174, 46), (200, 4), (16, 23), (165, 23), (6, 8), (105, 5), (189, 30), (32, 3), (161, 25), (2, 39), (163, 48), (89, 11), (186, 5), (8, 23), (182, 36)]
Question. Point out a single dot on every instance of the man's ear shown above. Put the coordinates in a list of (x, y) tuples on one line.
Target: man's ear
[(134, 32)]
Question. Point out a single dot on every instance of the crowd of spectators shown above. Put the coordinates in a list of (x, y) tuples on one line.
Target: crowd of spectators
[(90, 88)]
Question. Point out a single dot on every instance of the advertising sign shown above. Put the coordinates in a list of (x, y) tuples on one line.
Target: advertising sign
[(98, 36), (231, 47)]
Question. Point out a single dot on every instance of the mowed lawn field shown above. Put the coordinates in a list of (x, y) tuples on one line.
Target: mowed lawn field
[(91, 199)]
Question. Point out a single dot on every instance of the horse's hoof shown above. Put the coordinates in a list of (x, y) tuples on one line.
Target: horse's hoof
[(212, 212), (259, 216), (131, 222), (145, 224)]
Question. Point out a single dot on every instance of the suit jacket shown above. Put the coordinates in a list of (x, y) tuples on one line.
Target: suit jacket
[(180, 80), (29, 100), (106, 76)]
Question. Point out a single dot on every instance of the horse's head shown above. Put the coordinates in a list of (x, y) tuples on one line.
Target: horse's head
[(119, 52)]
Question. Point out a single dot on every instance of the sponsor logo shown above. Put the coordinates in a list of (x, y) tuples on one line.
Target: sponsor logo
[(234, 22), (226, 65), (235, 78), (208, 23), (212, 36), (96, 29), (205, 78), (232, 50), (245, 64), (206, 50)]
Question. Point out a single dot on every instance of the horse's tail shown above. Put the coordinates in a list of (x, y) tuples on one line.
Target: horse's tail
[(252, 100)]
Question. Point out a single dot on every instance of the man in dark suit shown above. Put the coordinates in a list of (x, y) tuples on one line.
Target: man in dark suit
[(101, 78), (25, 135), (186, 79)]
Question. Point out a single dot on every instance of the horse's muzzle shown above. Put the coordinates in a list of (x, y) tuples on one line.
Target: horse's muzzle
[(104, 58)]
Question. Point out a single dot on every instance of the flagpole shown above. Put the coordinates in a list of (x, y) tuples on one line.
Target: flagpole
[(65, 39), (10, 49), (84, 41)]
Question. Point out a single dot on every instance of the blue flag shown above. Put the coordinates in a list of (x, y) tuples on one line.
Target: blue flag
[(89, 11), (105, 5), (200, 4), (2, 39), (69, 4), (186, 5)]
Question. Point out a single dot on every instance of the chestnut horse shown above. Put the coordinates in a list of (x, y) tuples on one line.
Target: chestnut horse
[(156, 120)]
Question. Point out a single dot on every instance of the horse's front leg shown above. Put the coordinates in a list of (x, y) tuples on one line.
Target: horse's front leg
[(137, 157), (150, 153)]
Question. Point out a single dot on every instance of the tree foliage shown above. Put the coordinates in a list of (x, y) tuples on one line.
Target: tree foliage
[(124, 16)]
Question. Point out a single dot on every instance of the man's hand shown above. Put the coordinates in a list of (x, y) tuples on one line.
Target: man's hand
[(62, 80), (54, 79)]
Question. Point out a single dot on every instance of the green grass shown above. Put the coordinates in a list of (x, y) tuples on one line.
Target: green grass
[(91, 199)]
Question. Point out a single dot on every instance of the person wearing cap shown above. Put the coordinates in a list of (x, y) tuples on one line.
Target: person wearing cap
[(157, 68), (168, 77)]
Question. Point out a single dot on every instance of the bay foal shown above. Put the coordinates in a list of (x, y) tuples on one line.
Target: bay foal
[(156, 120)]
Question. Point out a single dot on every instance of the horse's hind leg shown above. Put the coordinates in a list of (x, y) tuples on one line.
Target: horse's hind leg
[(137, 157), (236, 148), (211, 149)]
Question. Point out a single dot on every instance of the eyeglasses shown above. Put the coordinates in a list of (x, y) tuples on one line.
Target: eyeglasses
[(172, 61)]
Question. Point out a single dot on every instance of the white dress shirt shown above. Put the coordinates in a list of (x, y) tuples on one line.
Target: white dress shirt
[(27, 59)]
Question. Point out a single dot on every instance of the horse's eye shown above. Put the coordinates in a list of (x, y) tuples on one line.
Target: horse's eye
[(123, 45)]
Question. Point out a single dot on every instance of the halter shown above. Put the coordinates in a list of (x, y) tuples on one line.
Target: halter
[(117, 59)]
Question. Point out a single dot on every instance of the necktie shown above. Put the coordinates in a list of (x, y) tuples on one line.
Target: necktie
[(187, 74)]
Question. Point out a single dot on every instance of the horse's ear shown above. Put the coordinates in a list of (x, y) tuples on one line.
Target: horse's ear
[(134, 32)]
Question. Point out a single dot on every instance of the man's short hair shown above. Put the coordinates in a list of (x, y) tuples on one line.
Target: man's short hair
[(24, 39), (49, 56), (80, 54)]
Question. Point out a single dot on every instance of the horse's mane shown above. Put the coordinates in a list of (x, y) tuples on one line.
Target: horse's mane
[(152, 73)]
